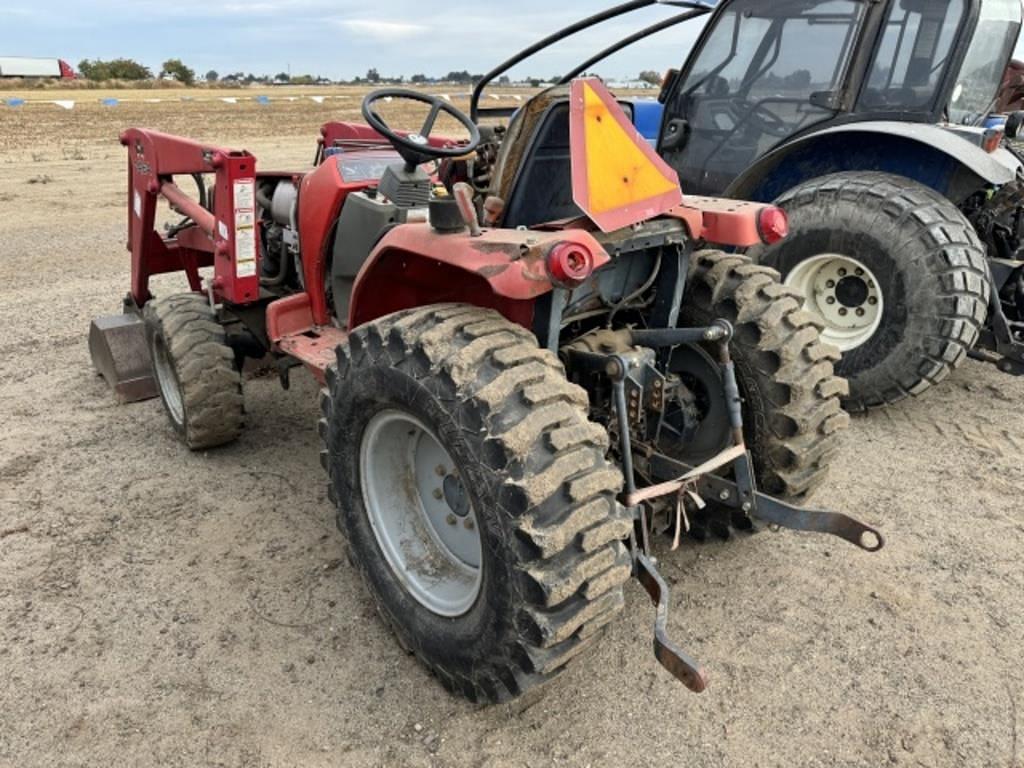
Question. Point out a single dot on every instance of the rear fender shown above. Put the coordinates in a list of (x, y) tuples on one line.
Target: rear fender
[(928, 154), (505, 270)]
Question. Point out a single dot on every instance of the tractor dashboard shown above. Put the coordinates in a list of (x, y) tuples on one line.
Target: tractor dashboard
[(364, 165)]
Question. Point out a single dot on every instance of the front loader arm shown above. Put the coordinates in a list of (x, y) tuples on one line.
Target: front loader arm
[(224, 234)]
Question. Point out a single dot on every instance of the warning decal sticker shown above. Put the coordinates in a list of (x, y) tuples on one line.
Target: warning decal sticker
[(245, 227)]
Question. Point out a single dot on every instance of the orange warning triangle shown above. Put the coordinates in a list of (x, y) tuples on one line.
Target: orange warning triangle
[(617, 178)]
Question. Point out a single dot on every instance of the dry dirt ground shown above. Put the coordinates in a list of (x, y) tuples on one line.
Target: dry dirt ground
[(162, 608)]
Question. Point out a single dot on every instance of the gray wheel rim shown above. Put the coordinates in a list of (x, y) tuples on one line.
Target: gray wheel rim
[(167, 380), (420, 513)]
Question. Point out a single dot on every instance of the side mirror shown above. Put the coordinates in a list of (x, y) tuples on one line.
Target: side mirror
[(668, 85), (676, 136), (1014, 124)]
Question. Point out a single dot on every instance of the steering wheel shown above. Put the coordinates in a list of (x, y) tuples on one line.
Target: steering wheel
[(415, 148), (771, 123)]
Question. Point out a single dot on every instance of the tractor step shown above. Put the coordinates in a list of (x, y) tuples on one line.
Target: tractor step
[(117, 344)]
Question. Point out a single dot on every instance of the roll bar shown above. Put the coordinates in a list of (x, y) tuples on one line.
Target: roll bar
[(698, 8)]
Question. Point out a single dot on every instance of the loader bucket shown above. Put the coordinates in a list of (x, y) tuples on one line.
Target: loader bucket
[(117, 344)]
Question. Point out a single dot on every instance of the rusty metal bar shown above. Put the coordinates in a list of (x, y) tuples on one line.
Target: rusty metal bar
[(684, 668)]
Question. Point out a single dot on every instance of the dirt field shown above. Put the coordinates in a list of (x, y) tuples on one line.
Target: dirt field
[(161, 608)]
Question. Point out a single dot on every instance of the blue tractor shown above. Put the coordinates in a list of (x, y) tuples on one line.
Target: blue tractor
[(871, 123)]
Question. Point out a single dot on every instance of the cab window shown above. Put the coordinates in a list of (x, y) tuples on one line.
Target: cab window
[(977, 87), (918, 40), (766, 72)]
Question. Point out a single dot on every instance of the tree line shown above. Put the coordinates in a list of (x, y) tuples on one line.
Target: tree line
[(175, 69)]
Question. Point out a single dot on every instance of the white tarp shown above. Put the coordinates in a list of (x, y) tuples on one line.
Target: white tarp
[(19, 66)]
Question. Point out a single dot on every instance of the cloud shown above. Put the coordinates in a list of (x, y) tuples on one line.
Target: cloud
[(377, 29)]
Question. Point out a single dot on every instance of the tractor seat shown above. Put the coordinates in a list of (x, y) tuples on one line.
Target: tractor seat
[(534, 171), (533, 174)]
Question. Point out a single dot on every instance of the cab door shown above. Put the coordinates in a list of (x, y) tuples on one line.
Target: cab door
[(763, 73)]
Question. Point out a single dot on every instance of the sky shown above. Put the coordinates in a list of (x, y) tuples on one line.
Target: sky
[(332, 38), (335, 38)]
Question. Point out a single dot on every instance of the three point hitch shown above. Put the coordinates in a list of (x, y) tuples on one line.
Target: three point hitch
[(706, 481)]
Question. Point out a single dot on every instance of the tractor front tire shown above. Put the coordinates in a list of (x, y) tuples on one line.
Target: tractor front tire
[(474, 496), (195, 371), (893, 271)]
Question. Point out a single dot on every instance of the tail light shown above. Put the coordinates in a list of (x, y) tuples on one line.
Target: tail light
[(992, 139), (570, 264), (772, 225)]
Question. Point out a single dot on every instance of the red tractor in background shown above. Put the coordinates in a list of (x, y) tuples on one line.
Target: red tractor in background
[(517, 397)]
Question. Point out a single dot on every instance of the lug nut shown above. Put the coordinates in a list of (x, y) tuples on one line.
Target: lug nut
[(872, 301), (860, 312), (830, 300), (842, 273), (451, 519), (830, 284), (844, 312), (440, 470), (859, 272), (469, 524), (438, 494)]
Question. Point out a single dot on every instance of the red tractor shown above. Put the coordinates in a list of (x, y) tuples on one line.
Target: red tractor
[(532, 365)]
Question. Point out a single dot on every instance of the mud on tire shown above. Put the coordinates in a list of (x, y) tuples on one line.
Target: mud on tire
[(792, 411), (534, 469), (195, 371), (929, 261)]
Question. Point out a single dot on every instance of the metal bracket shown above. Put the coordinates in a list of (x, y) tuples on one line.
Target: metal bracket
[(684, 668), (775, 512)]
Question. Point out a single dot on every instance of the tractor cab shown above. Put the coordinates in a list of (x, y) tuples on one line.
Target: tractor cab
[(764, 74)]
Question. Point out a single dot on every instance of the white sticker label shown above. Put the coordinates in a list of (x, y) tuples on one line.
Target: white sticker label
[(222, 230), (138, 205), (245, 227), (245, 194)]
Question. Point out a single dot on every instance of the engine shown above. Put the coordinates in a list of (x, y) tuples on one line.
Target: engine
[(279, 244)]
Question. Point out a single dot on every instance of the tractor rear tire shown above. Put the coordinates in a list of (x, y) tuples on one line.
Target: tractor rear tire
[(195, 371), (792, 413), (924, 294), (511, 455)]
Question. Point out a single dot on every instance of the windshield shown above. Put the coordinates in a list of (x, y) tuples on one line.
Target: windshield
[(783, 50), (977, 87)]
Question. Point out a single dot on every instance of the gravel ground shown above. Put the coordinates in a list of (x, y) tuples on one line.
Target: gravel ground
[(162, 608)]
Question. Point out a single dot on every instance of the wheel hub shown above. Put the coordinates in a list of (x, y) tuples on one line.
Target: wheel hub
[(852, 292), (843, 295), (420, 513)]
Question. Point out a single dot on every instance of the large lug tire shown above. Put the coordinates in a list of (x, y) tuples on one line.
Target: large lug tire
[(791, 396), (518, 457), (195, 371), (894, 272)]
